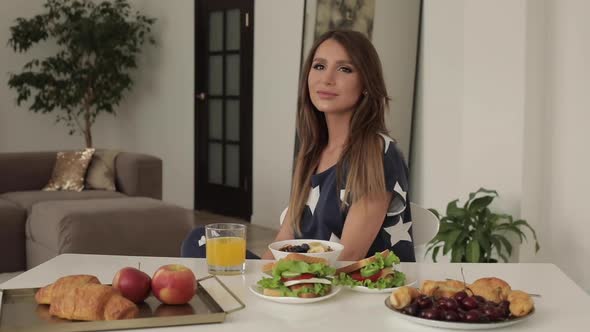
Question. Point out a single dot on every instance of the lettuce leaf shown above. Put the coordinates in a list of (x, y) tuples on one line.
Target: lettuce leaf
[(379, 263), (317, 269), (396, 280)]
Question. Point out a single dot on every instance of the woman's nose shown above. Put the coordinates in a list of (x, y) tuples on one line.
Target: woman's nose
[(329, 77)]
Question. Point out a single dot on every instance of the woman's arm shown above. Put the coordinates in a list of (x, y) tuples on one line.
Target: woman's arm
[(365, 218), (285, 233)]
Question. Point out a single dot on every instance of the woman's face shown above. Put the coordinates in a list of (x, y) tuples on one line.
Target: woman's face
[(334, 84)]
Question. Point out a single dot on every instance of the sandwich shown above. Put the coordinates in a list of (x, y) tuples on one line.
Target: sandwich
[(297, 275), (375, 272)]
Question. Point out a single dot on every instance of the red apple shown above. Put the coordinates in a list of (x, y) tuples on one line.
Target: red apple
[(133, 284), (174, 284)]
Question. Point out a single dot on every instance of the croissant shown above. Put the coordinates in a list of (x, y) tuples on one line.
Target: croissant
[(403, 296), (81, 297), (520, 303), (61, 285), (445, 288), (492, 289)]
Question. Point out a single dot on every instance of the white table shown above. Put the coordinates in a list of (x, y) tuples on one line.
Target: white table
[(564, 306)]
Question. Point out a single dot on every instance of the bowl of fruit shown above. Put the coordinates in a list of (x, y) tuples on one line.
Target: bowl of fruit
[(327, 250), (485, 304)]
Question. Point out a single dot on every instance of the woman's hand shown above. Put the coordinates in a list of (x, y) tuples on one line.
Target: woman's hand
[(365, 218)]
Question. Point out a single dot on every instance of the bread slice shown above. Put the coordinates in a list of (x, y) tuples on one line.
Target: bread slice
[(360, 264), (267, 268), (271, 292)]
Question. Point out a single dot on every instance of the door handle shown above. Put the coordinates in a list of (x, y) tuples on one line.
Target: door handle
[(201, 96)]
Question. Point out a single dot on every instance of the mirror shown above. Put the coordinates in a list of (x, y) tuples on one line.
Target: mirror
[(394, 28)]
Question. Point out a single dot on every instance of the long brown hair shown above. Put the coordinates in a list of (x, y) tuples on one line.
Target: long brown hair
[(362, 156)]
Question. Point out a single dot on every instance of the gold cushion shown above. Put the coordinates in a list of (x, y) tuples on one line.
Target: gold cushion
[(69, 170), (101, 172)]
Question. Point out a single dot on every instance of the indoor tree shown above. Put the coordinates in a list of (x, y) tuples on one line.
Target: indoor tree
[(97, 47)]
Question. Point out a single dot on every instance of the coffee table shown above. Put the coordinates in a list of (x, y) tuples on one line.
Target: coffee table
[(563, 305)]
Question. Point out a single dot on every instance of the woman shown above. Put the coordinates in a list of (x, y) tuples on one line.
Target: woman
[(350, 180)]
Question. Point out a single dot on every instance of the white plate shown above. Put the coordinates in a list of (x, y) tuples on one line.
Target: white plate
[(456, 325), (364, 289), (293, 300)]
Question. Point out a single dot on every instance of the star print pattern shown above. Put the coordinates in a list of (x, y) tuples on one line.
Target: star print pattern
[(334, 238), (399, 232), (313, 198), (324, 219)]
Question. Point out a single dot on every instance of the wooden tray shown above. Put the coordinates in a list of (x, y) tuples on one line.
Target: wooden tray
[(20, 312)]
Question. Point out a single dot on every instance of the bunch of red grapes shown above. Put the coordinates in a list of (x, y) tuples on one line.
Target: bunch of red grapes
[(458, 308)]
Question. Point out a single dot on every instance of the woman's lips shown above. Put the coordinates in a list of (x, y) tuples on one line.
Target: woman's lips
[(326, 95)]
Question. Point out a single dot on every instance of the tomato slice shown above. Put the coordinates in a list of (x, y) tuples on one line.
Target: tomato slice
[(358, 277), (303, 276)]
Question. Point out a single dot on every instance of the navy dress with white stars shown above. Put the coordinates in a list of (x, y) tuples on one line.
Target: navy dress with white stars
[(324, 219)]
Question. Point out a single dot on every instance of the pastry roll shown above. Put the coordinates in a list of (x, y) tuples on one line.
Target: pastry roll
[(92, 302), (445, 288), (61, 285), (492, 289), (403, 296), (82, 297), (520, 303)]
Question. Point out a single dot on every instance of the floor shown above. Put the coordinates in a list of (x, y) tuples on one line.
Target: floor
[(258, 237)]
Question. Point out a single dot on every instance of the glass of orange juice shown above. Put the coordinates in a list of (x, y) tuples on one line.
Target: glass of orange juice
[(226, 248)]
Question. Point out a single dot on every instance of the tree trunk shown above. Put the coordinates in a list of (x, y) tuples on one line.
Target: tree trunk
[(87, 121), (87, 130)]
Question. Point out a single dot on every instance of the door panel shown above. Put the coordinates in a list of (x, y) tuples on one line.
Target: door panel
[(224, 43)]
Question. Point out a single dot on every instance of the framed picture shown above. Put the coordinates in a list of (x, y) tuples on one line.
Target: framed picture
[(355, 15)]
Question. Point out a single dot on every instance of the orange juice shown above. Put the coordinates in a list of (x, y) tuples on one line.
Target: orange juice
[(226, 251)]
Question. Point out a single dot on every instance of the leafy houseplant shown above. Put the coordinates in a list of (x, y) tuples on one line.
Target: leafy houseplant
[(98, 44), (472, 232)]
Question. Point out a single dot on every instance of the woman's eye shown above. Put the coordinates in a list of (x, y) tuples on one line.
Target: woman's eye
[(318, 66), (345, 69)]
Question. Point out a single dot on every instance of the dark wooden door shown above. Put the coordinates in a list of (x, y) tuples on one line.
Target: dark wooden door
[(223, 105)]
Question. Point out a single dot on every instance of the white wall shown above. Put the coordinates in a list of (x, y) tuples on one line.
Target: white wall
[(395, 36), (566, 221), (277, 51), (159, 114), (501, 105)]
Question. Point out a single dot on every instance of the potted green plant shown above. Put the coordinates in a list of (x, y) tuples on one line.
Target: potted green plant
[(97, 47), (471, 233)]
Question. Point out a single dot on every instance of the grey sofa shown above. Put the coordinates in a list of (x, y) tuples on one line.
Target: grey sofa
[(36, 225)]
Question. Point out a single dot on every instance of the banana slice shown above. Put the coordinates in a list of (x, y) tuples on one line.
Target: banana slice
[(315, 247)]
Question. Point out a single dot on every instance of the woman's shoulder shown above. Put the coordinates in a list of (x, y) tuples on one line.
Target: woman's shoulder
[(390, 147)]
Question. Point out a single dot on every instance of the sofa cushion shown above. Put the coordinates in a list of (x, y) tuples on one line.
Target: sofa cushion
[(69, 170), (12, 237), (26, 199), (101, 172), (136, 226)]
